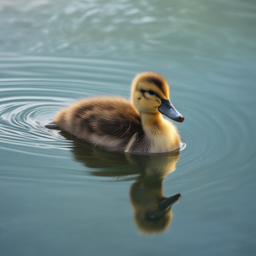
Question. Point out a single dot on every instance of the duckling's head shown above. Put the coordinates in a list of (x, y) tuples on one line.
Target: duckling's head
[(150, 94)]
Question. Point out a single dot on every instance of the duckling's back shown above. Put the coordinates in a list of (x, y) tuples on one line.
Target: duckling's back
[(110, 123)]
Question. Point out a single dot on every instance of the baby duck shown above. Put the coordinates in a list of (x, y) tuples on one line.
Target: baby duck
[(115, 124)]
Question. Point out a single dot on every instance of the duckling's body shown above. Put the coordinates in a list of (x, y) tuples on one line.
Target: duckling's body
[(115, 124)]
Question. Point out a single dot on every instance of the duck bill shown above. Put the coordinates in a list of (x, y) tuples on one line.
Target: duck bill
[(169, 110), (167, 203)]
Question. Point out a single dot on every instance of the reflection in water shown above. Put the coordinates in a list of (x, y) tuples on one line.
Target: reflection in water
[(152, 210)]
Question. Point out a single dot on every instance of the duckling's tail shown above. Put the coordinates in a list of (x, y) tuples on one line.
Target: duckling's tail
[(52, 126)]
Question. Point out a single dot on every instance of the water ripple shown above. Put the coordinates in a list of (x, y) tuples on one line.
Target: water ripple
[(29, 101), (22, 121)]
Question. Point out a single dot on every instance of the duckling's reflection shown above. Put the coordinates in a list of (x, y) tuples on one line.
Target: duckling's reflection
[(152, 210)]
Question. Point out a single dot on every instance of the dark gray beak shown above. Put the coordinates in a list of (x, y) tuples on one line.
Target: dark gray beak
[(169, 110), (167, 203)]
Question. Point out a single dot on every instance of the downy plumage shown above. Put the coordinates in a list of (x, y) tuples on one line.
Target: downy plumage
[(115, 124)]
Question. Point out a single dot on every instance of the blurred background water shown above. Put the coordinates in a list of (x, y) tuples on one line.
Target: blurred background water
[(62, 197)]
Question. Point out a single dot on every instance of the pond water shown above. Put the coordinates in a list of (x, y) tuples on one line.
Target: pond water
[(60, 196)]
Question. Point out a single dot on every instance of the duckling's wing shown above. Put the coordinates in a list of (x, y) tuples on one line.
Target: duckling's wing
[(106, 122)]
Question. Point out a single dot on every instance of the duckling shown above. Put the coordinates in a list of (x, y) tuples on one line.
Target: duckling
[(115, 124)]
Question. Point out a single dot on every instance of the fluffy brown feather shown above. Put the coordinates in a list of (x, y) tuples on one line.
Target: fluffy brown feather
[(108, 122)]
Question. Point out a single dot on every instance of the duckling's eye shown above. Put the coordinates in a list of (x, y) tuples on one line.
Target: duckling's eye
[(151, 92)]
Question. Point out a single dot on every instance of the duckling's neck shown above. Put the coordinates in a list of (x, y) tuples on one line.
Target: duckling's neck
[(149, 120), (162, 134)]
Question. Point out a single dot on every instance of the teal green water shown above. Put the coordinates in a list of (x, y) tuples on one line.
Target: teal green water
[(62, 197)]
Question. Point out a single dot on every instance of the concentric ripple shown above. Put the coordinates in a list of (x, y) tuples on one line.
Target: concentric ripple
[(22, 120), (33, 89)]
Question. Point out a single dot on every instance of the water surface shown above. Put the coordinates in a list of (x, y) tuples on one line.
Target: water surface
[(63, 197)]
